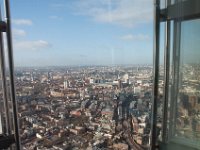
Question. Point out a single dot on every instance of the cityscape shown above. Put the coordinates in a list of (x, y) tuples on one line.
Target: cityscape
[(99, 75), (91, 107), (97, 107)]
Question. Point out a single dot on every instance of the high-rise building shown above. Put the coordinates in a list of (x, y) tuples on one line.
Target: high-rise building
[(66, 84)]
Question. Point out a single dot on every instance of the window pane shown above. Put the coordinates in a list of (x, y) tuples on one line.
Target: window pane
[(83, 73), (188, 102)]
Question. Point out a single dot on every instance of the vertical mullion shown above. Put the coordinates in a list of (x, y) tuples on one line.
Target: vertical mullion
[(176, 71), (166, 77), (4, 89), (175, 81), (4, 84), (155, 73), (11, 73)]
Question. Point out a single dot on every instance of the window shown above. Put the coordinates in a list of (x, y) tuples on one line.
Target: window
[(187, 108), (84, 77), (83, 73), (181, 61)]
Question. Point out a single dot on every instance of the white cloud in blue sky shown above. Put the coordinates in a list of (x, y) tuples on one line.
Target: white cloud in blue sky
[(31, 45), (22, 22), (138, 37), (19, 33), (26, 44), (128, 13), (54, 17)]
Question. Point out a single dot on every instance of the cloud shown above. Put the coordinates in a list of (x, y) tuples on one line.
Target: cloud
[(22, 22), (31, 45), (19, 33), (55, 17), (138, 37), (128, 13), (58, 5)]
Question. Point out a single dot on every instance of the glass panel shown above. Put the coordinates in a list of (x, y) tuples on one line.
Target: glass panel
[(170, 84), (84, 73), (161, 82), (188, 102), (162, 4)]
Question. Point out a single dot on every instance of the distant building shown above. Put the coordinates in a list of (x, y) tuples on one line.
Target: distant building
[(137, 90), (74, 131), (57, 93), (120, 146), (66, 85), (91, 81), (119, 84), (126, 78), (76, 112)]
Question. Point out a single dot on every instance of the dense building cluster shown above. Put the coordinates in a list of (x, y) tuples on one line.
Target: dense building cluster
[(99, 107), (84, 107)]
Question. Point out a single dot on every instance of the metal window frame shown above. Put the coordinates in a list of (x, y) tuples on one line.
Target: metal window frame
[(6, 27), (155, 73), (177, 12), (159, 15), (190, 10), (166, 76), (4, 82), (175, 78)]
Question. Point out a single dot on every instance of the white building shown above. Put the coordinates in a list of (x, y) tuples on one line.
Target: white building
[(91, 80), (65, 84), (137, 89)]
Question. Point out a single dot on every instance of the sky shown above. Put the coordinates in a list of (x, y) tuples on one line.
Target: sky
[(82, 32)]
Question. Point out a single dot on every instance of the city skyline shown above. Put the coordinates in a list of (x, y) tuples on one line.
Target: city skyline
[(82, 33)]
